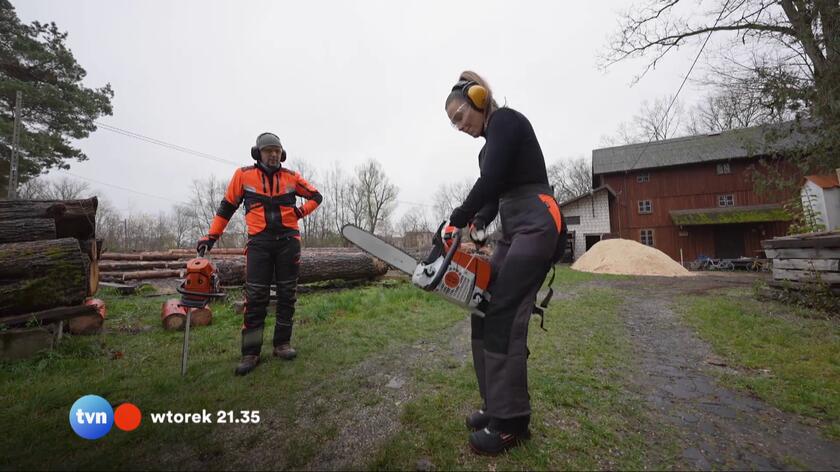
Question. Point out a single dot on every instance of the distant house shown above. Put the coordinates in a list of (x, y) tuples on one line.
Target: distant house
[(822, 194), (691, 196), (417, 239), (588, 218)]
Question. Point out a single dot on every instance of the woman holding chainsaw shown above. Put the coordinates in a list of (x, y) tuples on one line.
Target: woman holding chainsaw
[(513, 183), (270, 193)]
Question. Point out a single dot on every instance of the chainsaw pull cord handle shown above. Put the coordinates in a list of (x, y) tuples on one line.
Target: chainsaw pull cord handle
[(446, 261), (201, 251)]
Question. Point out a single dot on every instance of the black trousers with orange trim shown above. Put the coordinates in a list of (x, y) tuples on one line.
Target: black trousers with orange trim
[(270, 259), (520, 262)]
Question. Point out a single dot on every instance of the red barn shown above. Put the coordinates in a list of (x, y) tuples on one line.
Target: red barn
[(691, 196)]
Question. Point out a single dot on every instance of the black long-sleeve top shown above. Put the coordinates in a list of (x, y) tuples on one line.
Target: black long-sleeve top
[(511, 157)]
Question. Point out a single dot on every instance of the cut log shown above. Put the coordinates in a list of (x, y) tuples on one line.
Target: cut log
[(140, 275), (49, 316), (139, 256), (38, 275), (126, 266), (824, 265), (73, 218), (314, 267), (29, 229), (173, 315), (90, 323), (808, 253), (201, 316), (92, 248), (218, 251)]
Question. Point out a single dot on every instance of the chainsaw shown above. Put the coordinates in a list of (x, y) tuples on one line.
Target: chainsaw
[(448, 270), (200, 286)]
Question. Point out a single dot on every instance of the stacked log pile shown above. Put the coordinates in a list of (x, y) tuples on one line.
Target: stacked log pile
[(48, 260), (316, 265), (805, 262)]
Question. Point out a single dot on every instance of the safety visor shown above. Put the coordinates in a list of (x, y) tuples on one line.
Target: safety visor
[(460, 115)]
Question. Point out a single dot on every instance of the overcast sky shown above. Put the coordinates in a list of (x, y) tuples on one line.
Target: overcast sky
[(339, 82)]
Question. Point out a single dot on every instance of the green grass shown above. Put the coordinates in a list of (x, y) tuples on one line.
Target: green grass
[(583, 417), (782, 357), (137, 361)]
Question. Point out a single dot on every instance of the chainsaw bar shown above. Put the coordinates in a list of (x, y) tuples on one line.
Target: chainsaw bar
[(379, 248)]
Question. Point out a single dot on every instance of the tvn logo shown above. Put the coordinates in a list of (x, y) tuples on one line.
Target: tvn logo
[(92, 417)]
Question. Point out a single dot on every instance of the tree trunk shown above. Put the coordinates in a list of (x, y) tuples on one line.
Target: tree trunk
[(124, 266), (139, 256), (314, 267), (38, 275), (73, 218), (28, 229), (50, 316), (140, 275)]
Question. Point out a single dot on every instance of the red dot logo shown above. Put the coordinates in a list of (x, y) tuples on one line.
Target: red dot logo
[(127, 417), (451, 279)]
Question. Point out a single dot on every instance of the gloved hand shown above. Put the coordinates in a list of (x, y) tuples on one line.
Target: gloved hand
[(458, 218), (478, 231), (206, 242), (298, 212)]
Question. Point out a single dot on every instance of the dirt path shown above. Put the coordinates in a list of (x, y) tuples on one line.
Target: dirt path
[(718, 428), (341, 421)]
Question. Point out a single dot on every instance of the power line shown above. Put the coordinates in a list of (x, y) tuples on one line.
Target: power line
[(123, 188), (685, 79), (175, 147)]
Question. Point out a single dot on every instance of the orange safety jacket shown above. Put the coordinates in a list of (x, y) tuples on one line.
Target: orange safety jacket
[(270, 200)]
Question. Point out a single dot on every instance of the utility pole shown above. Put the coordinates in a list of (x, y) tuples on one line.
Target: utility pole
[(13, 168)]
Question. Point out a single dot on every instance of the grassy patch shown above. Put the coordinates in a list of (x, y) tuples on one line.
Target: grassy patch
[(782, 357), (137, 361), (583, 417)]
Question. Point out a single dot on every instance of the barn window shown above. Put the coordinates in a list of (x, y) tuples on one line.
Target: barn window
[(727, 200), (572, 220), (642, 178), (645, 207), (723, 168), (646, 237)]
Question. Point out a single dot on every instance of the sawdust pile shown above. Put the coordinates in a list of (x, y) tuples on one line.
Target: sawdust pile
[(626, 257)]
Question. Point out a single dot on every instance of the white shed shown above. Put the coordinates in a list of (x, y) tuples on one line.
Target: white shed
[(822, 193), (588, 218)]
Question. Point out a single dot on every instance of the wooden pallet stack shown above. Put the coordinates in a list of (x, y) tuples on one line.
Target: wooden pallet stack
[(48, 270), (805, 262)]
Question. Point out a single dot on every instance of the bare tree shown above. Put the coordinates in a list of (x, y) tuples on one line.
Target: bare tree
[(33, 189), (415, 219), (448, 196), (654, 121), (203, 203), (66, 188), (797, 43), (570, 178), (376, 194)]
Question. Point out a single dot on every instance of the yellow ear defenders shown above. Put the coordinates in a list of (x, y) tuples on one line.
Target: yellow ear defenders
[(255, 150), (475, 94)]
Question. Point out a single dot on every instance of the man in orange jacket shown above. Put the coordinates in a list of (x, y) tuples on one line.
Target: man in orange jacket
[(270, 193)]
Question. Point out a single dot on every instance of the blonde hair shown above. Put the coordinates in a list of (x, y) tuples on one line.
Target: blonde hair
[(489, 104)]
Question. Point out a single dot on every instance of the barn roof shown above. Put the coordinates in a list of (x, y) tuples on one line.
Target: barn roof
[(733, 144)]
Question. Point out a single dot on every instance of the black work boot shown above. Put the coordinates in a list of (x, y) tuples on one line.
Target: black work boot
[(247, 364), (488, 442), (477, 420), (285, 351)]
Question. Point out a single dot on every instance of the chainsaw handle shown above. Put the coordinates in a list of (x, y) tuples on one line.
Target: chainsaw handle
[(446, 261), (202, 250)]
